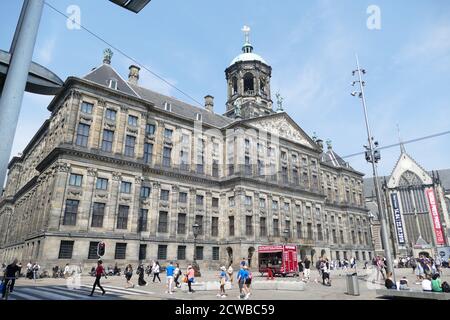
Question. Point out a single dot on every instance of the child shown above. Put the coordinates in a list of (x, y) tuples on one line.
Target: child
[(223, 279)]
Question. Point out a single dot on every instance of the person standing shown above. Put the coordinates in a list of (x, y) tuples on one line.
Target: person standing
[(248, 281), (36, 268), (128, 275), (241, 278), (155, 270), (169, 274), (190, 278), (222, 281), (325, 267), (300, 269), (10, 275), (307, 271), (230, 273), (176, 274), (141, 273), (99, 272)]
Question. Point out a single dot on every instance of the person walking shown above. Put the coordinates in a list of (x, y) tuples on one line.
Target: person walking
[(248, 281), (169, 275), (10, 275), (128, 275), (325, 267), (176, 275), (222, 282), (99, 272), (141, 273), (36, 268), (307, 271), (300, 269), (156, 269), (190, 278), (241, 278)]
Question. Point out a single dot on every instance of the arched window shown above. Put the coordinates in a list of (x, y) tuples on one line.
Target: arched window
[(248, 83), (234, 84)]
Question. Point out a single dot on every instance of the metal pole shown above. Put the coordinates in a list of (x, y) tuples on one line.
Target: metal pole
[(16, 80), (383, 224)]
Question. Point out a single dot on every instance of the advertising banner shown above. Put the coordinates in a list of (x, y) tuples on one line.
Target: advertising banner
[(435, 216), (398, 219)]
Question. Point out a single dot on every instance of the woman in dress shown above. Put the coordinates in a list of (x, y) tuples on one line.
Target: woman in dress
[(141, 272)]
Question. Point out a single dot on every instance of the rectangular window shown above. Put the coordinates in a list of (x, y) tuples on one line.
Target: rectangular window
[(184, 165), (199, 200), (168, 133), (215, 253), (231, 226), (341, 233), (164, 196), (122, 217), (319, 232), (248, 167), (231, 201), (142, 252), (86, 107), (181, 253), (111, 114), (333, 234), (125, 187), (162, 224), (162, 252), (274, 205), (215, 202), (181, 226), (82, 135), (70, 214), (150, 129), (65, 250), (107, 140), (262, 203), (247, 144), (102, 184), (295, 176), (182, 197), (92, 253), (276, 229), (215, 168), (166, 156), (214, 226), (130, 142), (284, 174), (353, 237), (286, 206), (310, 231), (199, 221), (260, 167), (299, 230), (287, 224), (248, 200), (199, 253), (262, 227), (148, 152), (145, 192), (132, 121), (142, 220), (98, 212), (248, 226), (75, 180), (121, 251)]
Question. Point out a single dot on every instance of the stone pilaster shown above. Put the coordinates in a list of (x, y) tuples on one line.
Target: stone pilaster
[(59, 196)]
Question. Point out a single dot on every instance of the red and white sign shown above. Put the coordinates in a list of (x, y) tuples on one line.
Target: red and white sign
[(435, 216)]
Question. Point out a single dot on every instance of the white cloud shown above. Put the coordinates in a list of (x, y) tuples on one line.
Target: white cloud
[(45, 53)]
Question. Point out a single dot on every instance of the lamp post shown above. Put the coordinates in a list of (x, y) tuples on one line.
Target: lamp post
[(195, 230), (373, 156)]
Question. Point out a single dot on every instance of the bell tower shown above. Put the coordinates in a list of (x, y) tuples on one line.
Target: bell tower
[(248, 81)]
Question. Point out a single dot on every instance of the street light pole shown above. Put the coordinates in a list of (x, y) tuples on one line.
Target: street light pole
[(374, 157), (16, 79)]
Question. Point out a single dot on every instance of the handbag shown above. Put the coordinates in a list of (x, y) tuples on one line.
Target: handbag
[(185, 279)]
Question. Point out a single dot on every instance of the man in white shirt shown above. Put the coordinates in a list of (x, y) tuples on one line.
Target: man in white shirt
[(426, 284)]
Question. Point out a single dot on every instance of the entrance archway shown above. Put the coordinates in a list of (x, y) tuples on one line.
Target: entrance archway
[(230, 256), (251, 251)]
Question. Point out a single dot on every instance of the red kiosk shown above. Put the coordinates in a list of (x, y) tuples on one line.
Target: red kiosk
[(280, 259)]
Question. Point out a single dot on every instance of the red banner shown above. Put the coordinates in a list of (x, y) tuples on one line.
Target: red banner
[(435, 216)]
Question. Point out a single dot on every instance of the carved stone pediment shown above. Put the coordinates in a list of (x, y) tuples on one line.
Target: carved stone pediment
[(146, 202), (75, 192), (101, 195), (282, 127), (110, 125), (86, 118), (132, 130), (125, 199), (164, 204)]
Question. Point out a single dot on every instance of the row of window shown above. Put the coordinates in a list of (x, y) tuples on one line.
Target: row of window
[(120, 251)]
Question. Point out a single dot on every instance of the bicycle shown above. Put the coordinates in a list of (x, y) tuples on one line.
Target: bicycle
[(7, 287)]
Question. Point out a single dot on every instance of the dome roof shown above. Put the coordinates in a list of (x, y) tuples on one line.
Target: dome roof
[(248, 56)]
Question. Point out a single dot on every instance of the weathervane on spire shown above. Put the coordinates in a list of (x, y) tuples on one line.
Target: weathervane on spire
[(246, 31)]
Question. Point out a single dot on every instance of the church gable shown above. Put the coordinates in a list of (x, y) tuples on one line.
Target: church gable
[(283, 126), (408, 166)]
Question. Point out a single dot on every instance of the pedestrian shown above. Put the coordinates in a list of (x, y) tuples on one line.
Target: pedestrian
[(66, 271), (300, 269), (243, 262), (222, 281), (248, 281), (190, 278), (169, 275), (141, 273), (325, 267), (36, 268), (241, 278), (128, 275), (176, 274), (388, 283), (155, 270), (29, 270), (10, 275), (230, 273), (380, 267), (307, 271), (99, 272)]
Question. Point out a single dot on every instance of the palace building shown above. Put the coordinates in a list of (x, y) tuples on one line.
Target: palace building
[(119, 163)]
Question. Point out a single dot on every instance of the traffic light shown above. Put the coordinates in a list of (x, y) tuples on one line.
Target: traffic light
[(101, 249)]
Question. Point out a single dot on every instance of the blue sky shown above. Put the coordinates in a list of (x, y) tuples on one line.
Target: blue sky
[(310, 45)]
